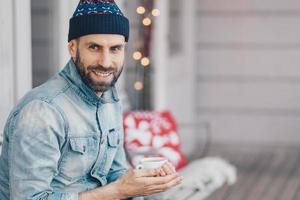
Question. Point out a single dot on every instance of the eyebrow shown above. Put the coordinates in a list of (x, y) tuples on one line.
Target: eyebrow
[(98, 45), (118, 46)]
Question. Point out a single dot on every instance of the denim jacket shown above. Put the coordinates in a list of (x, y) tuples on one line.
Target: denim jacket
[(62, 139)]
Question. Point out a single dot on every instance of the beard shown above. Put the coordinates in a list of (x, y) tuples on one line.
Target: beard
[(86, 74)]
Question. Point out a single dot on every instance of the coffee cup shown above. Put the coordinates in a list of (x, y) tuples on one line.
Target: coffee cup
[(151, 163)]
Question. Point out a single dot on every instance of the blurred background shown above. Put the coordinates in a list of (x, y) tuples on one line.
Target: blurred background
[(227, 70)]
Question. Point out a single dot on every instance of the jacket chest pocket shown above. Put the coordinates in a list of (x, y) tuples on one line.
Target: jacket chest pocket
[(113, 142), (79, 157)]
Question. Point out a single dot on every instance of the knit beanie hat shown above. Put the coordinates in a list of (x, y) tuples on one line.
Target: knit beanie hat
[(98, 17)]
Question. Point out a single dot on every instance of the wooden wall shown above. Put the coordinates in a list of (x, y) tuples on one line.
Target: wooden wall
[(246, 76)]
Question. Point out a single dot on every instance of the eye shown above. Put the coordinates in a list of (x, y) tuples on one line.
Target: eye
[(94, 47), (116, 48)]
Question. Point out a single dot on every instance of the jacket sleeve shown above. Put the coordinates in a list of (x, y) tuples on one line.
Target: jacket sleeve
[(36, 137)]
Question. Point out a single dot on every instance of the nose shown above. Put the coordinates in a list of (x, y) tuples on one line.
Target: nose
[(105, 59)]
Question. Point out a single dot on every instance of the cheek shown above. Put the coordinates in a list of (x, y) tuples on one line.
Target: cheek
[(118, 61), (89, 59)]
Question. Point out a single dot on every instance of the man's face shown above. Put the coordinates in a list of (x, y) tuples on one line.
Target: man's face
[(99, 59)]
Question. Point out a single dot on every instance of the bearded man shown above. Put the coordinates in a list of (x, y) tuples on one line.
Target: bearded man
[(64, 139)]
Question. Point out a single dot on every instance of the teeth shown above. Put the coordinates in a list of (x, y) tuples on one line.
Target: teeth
[(102, 74)]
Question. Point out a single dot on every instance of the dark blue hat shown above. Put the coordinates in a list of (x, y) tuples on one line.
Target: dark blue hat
[(98, 17)]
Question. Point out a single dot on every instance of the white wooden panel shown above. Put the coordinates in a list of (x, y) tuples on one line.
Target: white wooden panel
[(254, 129), (258, 31), (179, 85), (6, 59), (22, 48), (220, 62), (40, 4), (41, 57), (247, 62), (159, 85), (176, 36), (247, 95), (131, 13), (41, 28), (62, 11), (194, 139), (42, 69), (248, 5), (45, 58), (6, 95)]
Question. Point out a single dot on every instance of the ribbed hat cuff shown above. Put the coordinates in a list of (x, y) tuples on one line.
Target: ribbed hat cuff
[(98, 24)]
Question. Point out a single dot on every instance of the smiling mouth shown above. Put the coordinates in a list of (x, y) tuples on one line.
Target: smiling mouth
[(102, 74)]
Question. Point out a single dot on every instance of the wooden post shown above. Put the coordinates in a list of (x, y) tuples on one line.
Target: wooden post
[(15, 54), (22, 48), (160, 55), (63, 10)]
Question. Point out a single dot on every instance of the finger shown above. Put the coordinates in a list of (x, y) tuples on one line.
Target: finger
[(146, 172), (163, 187), (168, 168), (162, 172), (170, 184), (160, 179), (171, 166), (157, 188)]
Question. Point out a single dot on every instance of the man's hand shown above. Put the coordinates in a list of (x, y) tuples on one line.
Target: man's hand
[(147, 181), (136, 182)]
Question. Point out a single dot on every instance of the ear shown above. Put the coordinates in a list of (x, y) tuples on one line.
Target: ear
[(72, 47)]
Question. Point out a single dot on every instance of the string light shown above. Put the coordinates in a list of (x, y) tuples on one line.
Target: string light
[(140, 10), (138, 85), (137, 55), (147, 21), (145, 61), (155, 12)]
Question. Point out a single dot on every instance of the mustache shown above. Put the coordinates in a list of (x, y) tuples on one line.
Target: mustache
[(100, 68)]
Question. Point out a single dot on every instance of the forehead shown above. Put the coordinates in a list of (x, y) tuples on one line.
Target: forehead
[(103, 39)]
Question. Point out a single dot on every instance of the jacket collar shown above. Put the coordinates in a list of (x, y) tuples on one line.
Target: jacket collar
[(70, 73)]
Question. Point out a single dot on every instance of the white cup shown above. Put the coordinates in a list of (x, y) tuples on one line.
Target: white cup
[(151, 163)]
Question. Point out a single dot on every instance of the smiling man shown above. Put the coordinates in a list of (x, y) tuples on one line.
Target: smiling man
[(64, 140)]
